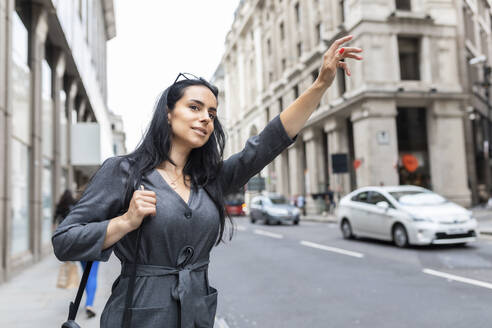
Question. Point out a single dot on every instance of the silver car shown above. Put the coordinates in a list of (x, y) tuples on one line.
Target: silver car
[(405, 215), (272, 209)]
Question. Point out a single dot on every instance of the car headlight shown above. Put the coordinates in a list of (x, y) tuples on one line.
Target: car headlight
[(421, 219)]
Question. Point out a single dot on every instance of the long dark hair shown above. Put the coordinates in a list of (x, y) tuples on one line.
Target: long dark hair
[(203, 164), (64, 205)]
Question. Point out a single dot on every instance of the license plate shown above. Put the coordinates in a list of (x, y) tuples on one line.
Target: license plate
[(456, 231)]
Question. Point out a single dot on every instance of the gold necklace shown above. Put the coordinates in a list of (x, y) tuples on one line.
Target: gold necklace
[(173, 183)]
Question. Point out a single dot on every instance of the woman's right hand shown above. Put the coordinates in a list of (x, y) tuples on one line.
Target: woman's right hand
[(142, 204)]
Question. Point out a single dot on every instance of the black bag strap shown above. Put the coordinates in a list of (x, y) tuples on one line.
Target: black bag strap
[(74, 306), (127, 314)]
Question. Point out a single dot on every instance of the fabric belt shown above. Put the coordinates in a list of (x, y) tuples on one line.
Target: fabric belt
[(182, 290)]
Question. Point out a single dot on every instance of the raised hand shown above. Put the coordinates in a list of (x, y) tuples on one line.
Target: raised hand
[(332, 59)]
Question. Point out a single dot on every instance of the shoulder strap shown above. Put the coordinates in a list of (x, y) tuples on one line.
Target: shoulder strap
[(74, 306), (127, 314)]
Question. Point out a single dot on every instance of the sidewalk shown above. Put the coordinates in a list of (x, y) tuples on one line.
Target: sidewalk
[(31, 299), (483, 216)]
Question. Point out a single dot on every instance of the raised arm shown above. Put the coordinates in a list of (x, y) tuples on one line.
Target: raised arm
[(296, 115)]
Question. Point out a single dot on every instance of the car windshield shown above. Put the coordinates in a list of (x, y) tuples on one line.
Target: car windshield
[(278, 200), (417, 198)]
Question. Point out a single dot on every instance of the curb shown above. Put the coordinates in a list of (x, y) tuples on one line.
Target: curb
[(318, 219)]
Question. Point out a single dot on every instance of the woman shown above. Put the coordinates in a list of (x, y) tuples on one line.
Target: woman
[(63, 207), (177, 181)]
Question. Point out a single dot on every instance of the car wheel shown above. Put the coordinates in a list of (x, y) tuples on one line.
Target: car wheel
[(296, 222), (400, 236), (347, 229), (252, 219)]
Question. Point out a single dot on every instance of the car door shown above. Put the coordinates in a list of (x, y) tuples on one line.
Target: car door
[(358, 211), (255, 210), (379, 219)]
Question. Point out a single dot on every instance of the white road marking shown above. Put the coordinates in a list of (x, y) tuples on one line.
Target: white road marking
[(241, 228), (220, 323), (458, 278), (332, 249), (268, 234)]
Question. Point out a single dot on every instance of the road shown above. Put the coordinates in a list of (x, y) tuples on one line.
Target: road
[(308, 276)]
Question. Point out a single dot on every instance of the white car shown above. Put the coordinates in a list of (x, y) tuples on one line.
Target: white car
[(405, 215)]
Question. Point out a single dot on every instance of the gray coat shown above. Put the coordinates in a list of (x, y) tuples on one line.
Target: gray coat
[(172, 287)]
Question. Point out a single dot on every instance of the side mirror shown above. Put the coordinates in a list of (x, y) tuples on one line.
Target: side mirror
[(383, 204)]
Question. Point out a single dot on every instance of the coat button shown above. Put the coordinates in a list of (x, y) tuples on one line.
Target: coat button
[(188, 214)]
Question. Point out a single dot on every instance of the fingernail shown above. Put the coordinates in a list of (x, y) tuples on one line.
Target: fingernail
[(341, 51)]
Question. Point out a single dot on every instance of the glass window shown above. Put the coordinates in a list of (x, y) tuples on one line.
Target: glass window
[(409, 49), (47, 111), (403, 4), (278, 200), (342, 88), (298, 12), (299, 49), (361, 197), (19, 40), (282, 32), (21, 83), (63, 129), (318, 33), (377, 197), (295, 90), (20, 197), (47, 201)]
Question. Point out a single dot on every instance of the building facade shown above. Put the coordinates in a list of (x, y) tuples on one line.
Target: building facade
[(55, 127), (403, 117)]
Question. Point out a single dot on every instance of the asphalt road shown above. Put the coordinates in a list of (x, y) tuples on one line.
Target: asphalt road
[(308, 276)]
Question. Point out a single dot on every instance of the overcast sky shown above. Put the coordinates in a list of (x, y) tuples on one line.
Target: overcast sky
[(155, 40)]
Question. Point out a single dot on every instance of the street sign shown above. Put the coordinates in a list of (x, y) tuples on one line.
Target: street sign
[(256, 184), (339, 163)]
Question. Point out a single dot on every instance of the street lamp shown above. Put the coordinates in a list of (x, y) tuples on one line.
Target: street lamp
[(482, 59)]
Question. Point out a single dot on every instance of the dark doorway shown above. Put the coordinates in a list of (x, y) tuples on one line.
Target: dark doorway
[(413, 155)]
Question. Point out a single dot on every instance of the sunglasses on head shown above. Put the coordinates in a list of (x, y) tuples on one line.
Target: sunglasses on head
[(188, 76)]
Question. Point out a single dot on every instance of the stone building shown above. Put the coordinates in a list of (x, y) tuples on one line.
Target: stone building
[(54, 121), (403, 117), (119, 136)]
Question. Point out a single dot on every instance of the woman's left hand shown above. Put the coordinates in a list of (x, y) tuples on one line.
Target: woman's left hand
[(332, 60)]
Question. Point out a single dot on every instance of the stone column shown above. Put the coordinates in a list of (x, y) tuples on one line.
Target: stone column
[(6, 9), (316, 176), (376, 143), (71, 91), (337, 144), (242, 77), (57, 85), (446, 142), (258, 58), (296, 170), (38, 32)]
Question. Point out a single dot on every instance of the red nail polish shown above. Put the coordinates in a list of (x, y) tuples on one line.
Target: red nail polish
[(341, 51)]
